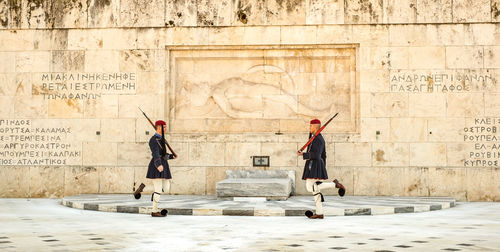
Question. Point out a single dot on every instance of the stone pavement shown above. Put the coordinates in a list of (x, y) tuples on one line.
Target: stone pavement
[(46, 225), (294, 206)]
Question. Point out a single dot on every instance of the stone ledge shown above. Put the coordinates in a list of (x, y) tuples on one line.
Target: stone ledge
[(294, 206)]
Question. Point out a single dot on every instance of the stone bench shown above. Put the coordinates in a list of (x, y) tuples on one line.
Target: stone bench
[(273, 184)]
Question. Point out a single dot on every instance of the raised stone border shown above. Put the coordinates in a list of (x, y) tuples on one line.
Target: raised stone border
[(294, 206)]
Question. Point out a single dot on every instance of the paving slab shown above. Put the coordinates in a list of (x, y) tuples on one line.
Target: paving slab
[(294, 206)]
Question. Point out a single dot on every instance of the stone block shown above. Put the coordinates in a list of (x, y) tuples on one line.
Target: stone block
[(102, 61), (30, 106), (214, 175), (353, 154), (492, 104), (6, 108), (7, 60), (431, 11), (427, 57), (105, 107), (363, 12), (226, 36), (136, 60), (36, 15), (188, 36), (99, 153), (378, 181), (206, 154), (375, 129), (445, 34), (9, 84), (288, 12), (181, 13), (68, 61), (427, 154), (457, 153), (482, 183), (133, 154), (214, 13), (46, 182), (181, 149), (495, 10), (390, 154), (128, 106), (400, 11), (464, 104), (492, 57), (15, 181), (370, 35), (103, 14), (118, 130), (70, 108), (255, 187), (281, 154), (142, 13), (427, 105), (471, 11), (188, 180), (416, 180), (464, 57), (448, 182), (408, 129), (389, 105), (116, 179), (151, 38), (32, 61), (298, 35), (256, 35), (445, 129), (324, 12), (240, 154), (81, 129), (70, 14), (408, 35), (327, 34), (480, 34), (80, 180), (344, 175)]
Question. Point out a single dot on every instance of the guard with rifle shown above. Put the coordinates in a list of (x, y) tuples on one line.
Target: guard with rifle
[(315, 167), (158, 169)]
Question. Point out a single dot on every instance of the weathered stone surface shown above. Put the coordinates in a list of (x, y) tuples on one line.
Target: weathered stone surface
[(213, 13), (427, 105), (68, 61), (481, 183), (400, 11), (464, 104), (71, 14), (390, 154), (389, 105), (15, 181), (363, 11), (117, 130), (211, 154), (427, 57), (286, 12), (46, 182), (445, 129), (254, 188), (448, 182), (103, 13), (465, 11), (80, 180), (99, 153), (382, 181), (495, 10), (428, 154), (353, 154), (280, 154), (416, 181), (324, 12), (181, 13), (188, 180), (240, 154), (491, 104), (116, 179), (492, 57), (400, 129), (431, 11), (141, 13)]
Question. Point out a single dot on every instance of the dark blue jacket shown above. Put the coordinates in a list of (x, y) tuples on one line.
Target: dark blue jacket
[(315, 167), (157, 159)]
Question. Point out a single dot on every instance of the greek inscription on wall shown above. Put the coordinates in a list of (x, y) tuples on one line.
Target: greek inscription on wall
[(84, 86), (448, 81), (23, 143), (483, 133)]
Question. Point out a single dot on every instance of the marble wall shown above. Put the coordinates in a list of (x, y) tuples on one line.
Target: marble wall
[(415, 82)]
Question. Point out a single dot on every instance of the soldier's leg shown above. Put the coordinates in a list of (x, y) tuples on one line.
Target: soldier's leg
[(166, 186), (157, 184), (313, 188)]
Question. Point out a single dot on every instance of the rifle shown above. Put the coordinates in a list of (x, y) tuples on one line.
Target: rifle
[(317, 133), (152, 124)]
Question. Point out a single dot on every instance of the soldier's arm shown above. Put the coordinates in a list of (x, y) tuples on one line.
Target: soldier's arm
[(155, 150)]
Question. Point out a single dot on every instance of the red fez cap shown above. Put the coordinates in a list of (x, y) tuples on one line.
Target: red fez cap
[(160, 122), (315, 121)]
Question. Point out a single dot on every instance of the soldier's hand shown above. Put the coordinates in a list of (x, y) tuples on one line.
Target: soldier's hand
[(160, 168), (299, 153), (175, 156)]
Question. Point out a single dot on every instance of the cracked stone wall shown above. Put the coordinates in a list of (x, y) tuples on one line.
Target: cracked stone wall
[(415, 81)]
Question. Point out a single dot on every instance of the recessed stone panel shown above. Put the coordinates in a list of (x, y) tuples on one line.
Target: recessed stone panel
[(233, 84)]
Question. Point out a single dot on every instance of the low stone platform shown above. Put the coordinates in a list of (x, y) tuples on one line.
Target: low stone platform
[(294, 206)]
